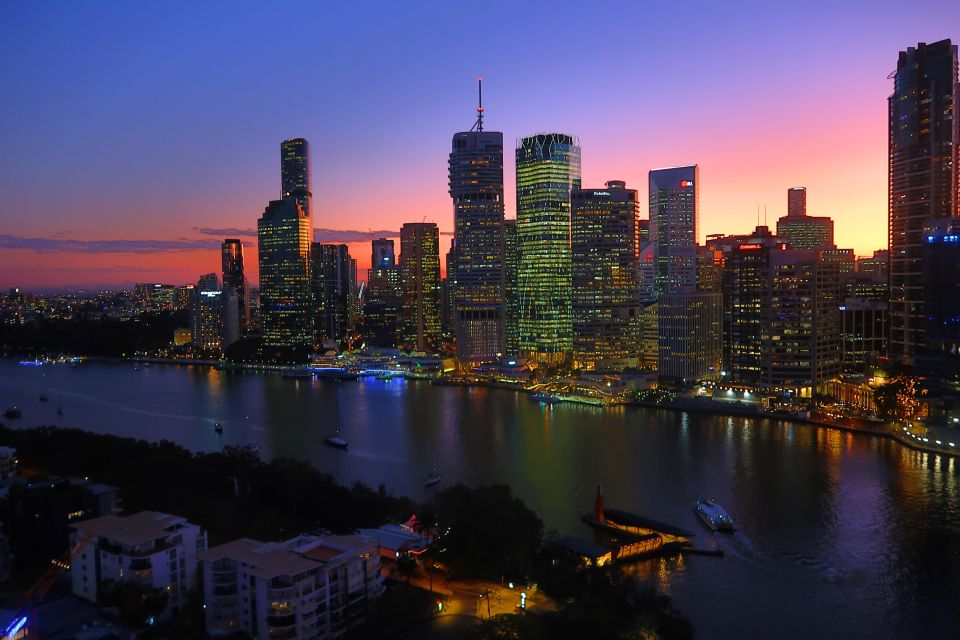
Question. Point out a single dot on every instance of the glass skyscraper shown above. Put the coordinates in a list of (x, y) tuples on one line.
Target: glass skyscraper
[(420, 284), (924, 133), (295, 172), (511, 300), (231, 256), (475, 271), (606, 301), (548, 169), (283, 234), (674, 220), (381, 301), (333, 281)]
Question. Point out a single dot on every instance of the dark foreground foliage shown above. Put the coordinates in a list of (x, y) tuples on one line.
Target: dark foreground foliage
[(231, 493)]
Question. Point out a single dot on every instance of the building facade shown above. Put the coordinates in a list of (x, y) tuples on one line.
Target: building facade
[(295, 173), (690, 328), (941, 265), (283, 235), (231, 258), (674, 221), (303, 588), (606, 280), (475, 268), (153, 550), (382, 296), (798, 229), (511, 296), (206, 313), (548, 169), (420, 286), (923, 179), (333, 283)]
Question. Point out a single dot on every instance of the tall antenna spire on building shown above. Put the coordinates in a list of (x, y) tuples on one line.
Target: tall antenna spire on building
[(479, 124)]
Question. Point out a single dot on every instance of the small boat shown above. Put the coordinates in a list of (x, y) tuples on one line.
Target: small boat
[(12, 412), (547, 398), (713, 515), (432, 478), (43, 397), (218, 428), (136, 368), (335, 441)]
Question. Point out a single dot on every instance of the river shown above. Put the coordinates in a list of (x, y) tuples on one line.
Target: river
[(840, 535)]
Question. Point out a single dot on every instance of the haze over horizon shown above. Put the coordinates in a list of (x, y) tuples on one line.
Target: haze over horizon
[(156, 130)]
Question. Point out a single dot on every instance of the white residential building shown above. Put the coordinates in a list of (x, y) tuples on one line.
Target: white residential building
[(154, 550), (304, 588)]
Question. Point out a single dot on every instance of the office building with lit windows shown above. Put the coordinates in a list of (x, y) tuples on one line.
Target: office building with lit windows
[(674, 220), (420, 286), (605, 267), (382, 296), (798, 229), (295, 173), (690, 328), (781, 314), (548, 169), (475, 279), (206, 313), (231, 259), (941, 264), (333, 283), (511, 298), (924, 132), (283, 238)]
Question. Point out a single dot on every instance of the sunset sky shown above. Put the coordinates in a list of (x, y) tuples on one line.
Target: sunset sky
[(135, 136)]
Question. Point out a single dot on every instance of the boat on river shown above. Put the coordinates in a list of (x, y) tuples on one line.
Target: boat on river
[(433, 478), (713, 515), (13, 412), (336, 441)]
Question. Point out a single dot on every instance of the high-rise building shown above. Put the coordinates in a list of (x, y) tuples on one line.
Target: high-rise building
[(798, 229), (674, 221), (295, 173), (605, 266), (283, 234), (548, 169), (420, 284), (797, 202), (875, 265), (383, 254), (804, 321), (941, 265), (863, 333), (231, 254), (381, 300), (511, 298), (690, 327), (333, 283), (781, 324), (476, 186), (206, 314), (747, 307), (924, 137)]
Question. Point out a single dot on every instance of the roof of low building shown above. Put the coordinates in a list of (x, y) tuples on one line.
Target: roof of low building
[(139, 528)]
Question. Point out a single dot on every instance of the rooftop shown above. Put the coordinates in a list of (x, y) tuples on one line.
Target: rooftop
[(139, 528), (272, 559)]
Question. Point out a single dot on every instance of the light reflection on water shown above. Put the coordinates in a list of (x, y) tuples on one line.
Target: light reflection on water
[(840, 535)]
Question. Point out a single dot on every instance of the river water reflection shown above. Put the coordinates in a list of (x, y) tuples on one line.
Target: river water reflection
[(840, 535)]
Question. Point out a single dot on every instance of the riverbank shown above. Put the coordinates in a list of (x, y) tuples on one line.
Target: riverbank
[(683, 404)]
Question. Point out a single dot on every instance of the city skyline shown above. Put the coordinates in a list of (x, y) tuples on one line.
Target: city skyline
[(185, 200)]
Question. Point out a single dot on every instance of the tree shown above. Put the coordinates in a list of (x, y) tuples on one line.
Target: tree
[(487, 531), (899, 399)]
